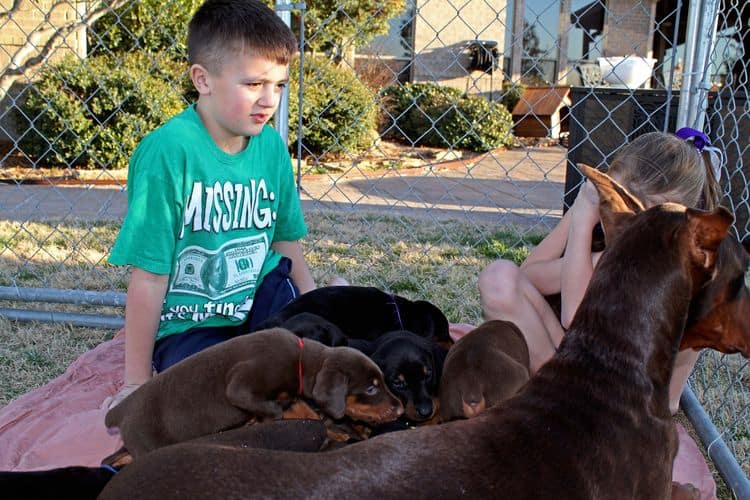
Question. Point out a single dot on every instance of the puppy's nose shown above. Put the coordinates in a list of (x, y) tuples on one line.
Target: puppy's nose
[(424, 410), (472, 408)]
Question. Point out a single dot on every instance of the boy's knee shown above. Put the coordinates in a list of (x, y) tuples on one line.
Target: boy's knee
[(498, 285)]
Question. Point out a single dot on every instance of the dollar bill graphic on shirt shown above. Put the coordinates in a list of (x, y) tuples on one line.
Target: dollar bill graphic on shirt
[(234, 267)]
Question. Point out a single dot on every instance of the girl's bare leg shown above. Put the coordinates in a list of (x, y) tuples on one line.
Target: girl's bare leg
[(683, 366), (507, 294)]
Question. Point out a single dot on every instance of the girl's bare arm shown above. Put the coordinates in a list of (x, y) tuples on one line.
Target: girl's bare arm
[(577, 263), (544, 263)]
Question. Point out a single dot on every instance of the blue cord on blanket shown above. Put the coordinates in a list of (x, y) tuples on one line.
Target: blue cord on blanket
[(109, 468)]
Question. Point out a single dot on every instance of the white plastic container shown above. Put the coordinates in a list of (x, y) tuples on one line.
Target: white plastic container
[(628, 72)]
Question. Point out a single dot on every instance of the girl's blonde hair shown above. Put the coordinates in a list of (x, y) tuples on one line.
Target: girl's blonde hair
[(658, 167)]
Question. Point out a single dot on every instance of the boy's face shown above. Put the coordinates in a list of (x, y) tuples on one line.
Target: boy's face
[(239, 98)]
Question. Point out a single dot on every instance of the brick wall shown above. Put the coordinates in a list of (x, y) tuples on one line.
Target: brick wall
[(30, 17), (628, 27), (13, 34), (442, 33)]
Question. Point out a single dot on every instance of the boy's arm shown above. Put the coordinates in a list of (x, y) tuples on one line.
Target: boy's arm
[(301, 275), (143, 307)]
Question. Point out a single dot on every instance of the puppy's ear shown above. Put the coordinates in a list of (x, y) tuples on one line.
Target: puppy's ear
[(707, 231), (616, 204), (432, 321), (331, 388)]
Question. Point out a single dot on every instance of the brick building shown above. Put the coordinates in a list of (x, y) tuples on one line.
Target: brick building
[(42, 17), (433, 38)]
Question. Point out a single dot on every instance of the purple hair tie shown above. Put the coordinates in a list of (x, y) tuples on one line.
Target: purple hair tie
[(699, 138), (701, 142)]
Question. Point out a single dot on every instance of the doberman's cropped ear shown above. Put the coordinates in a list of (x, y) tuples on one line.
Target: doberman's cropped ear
[(707, 231), (331, 388), (616, 204)]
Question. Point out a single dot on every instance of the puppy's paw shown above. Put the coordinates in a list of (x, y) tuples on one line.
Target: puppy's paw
[(685, 491), (118, 459), (339, 437)]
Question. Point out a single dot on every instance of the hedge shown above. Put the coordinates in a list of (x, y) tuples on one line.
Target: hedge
[(92, 113)]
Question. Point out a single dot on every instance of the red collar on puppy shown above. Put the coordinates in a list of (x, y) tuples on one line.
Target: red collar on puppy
[(299, 365)]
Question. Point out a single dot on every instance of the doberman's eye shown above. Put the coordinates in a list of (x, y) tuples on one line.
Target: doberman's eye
[(372, 390), (427, 373)]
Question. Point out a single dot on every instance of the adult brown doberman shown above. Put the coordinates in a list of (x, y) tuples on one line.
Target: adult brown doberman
[(593, 422)]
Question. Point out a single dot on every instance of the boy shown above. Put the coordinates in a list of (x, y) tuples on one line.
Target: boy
[(214, 218)]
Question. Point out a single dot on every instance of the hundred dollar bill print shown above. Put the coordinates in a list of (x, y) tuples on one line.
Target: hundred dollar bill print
[(233, 267)]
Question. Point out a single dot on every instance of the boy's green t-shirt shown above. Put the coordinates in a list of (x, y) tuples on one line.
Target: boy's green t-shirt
[(207, 219)]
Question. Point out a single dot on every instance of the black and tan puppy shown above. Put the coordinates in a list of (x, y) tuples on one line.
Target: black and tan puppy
[(250, 377), (366, 313), (311, 326), (485, 367), (411, 366)]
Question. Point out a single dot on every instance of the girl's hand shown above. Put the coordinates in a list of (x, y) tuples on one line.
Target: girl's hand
[(586, 205)]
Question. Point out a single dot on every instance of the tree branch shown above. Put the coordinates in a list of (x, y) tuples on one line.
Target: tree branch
[(42, 41)]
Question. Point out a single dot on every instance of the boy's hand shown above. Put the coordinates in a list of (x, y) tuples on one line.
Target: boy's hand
[(124, 392)]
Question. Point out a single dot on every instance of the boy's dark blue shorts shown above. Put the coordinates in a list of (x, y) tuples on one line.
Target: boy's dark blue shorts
[(275, 291)]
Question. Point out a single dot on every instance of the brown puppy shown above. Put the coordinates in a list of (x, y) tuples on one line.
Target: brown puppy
[(485, 367), (593, 422), (250, 376)]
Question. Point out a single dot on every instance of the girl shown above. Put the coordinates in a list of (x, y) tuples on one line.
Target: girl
[(656, 167)]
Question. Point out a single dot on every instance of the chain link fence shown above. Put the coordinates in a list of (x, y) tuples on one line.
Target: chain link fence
[(473, 113)]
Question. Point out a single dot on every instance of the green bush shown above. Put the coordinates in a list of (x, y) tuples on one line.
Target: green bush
[(407, 108), (471, 123), (151, 25), (428, 114), (338, 112), (92, 113)]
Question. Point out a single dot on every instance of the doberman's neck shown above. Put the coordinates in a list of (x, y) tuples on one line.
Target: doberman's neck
[(628, 328)]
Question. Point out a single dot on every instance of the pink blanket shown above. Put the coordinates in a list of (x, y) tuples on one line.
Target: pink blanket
[(62, 423), (690, 466)]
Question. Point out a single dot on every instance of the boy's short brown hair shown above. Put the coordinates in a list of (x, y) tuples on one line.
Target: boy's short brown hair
[(221, 27)]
